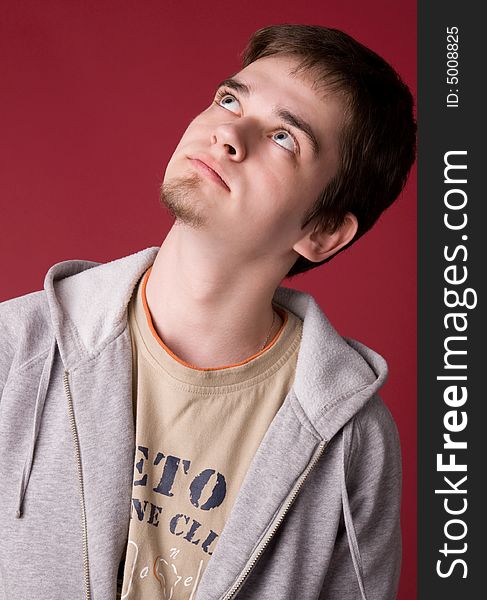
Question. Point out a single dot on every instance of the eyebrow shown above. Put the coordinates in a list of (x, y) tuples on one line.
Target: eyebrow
[(283, 113)]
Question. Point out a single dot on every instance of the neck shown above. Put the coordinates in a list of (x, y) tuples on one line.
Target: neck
[(210, 310)]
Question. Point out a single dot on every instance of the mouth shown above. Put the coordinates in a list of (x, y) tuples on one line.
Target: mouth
[(208, 172)]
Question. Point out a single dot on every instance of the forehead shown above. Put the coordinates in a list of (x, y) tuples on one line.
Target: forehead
[(272, 82), (275, 75), (278, 68)]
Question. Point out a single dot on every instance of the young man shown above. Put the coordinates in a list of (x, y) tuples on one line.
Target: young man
[(177, 418)]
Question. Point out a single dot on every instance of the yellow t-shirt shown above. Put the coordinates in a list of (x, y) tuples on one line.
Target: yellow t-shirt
[(197, 431)]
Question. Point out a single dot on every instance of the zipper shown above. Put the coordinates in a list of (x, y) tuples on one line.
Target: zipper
[(77, 452), (275, 524)]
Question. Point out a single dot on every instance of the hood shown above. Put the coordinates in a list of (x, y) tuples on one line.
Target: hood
[(334, 377)]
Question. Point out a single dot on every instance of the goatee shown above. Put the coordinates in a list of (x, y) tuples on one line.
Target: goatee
[(178, 196)]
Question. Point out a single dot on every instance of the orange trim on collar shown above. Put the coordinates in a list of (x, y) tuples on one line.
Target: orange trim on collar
[(282, 313)]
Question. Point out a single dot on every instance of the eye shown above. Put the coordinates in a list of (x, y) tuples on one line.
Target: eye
[(229, 102), (285, 139)]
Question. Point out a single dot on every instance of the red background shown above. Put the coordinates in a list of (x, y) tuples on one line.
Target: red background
[(95, 96)]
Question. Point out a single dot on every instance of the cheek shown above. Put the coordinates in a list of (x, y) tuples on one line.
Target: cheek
[(197, 128), (278, 187), (193, 132), (276, 211), (188, 134), (294, 198), (268, 169)]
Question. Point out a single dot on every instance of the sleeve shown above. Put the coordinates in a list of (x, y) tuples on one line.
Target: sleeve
[(372, 485)]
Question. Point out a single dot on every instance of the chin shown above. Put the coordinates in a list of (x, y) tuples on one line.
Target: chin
[(178, 195)]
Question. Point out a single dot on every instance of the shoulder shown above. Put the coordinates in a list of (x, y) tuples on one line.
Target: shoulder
[(373, 440), (375, 419), (25, 330)]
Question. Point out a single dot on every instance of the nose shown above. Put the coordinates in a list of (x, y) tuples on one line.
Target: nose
[(229, 139)]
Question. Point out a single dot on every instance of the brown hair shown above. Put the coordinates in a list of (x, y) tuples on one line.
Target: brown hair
[(378, 140)]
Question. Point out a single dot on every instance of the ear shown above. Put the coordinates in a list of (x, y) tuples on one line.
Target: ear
[(319, 244)]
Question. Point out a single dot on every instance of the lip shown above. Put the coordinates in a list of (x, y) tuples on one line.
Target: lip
[(208, 168)]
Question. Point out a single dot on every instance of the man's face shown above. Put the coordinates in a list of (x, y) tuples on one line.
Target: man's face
[(273, 140)]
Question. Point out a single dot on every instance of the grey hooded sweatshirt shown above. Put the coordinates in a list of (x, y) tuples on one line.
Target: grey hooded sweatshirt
[(317, 516)]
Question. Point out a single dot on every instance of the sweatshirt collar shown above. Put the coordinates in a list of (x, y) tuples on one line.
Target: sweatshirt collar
[(334, 378)]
